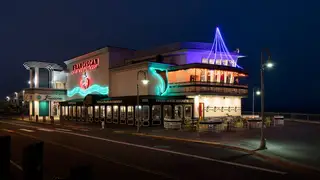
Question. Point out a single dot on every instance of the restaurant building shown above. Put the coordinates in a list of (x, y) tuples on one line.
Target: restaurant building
[(179, 81)]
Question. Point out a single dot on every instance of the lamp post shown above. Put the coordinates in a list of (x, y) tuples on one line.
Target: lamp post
[(253, 94), (263, 65), (144, 81)]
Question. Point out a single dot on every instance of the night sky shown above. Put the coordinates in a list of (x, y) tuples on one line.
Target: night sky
[(58, 30)]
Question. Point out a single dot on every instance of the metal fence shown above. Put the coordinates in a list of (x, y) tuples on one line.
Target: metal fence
[(293, 116)]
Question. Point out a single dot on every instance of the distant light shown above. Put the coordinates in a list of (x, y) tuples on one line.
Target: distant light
[(8, 98), (258, 93), (29, 82), (269, 65), (145, 81)]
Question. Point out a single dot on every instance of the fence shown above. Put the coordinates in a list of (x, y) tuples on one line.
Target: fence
[(287, 116)]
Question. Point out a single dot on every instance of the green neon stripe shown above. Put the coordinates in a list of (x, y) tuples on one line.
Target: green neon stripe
[(104, 90)]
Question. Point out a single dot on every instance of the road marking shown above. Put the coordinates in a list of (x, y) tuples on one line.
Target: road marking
[(100, 157), (26, 130), (44, 129), (8, 130), (162, 150), (16, 165), (60, 129), (177, 153)]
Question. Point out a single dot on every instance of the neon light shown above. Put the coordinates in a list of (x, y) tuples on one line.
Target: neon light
[(84, 81), (85, 66), (163, 86), (220, 49), (104, 90)]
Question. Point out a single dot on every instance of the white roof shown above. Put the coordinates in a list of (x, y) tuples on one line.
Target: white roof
[(33, 64)]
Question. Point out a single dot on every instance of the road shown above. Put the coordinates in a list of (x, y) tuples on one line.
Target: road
[(121, 156)]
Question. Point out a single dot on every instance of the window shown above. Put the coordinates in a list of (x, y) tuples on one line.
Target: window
[(122, 112), (74, 111), (178, 113), (205, 60), (145, 112), (130, 112), (138, 113), (225, 62), (211, 61), (115, 112), (79, 111), (167, 111), (70, 111), (90, 111), (203, 76), (96, 111), (102, 111), (218, 62), (83, 112), (156, 112), (109, 112), (187, 112)]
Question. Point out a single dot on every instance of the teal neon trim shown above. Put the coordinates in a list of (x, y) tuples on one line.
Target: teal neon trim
[(104, 90), (162, 87)]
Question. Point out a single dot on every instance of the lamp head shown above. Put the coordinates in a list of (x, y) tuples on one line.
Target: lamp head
[(145, 81), (258, 93)]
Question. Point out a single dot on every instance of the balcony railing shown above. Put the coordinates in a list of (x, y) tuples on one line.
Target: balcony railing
[(204, 83), (208, 88)]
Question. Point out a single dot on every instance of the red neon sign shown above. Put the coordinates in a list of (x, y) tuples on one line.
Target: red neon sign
[(85, 66), (84, 81)]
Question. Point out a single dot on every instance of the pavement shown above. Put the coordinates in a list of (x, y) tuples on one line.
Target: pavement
[(115, 152)]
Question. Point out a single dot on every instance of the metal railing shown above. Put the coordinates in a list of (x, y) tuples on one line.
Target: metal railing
[(193, 83), (292, 116)]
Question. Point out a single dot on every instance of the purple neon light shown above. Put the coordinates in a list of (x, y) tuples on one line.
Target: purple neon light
[(220, 49)]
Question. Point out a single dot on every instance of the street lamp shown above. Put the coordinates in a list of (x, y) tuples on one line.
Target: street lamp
[(144, 81), (254, 92), (263, 66)]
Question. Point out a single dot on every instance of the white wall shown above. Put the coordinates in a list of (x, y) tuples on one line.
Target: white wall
[(123, 81), (217, 101)]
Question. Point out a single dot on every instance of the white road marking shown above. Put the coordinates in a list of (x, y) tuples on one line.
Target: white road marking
[(177, 153), (44, 129), (16, 165), (26, 130), (60, 129), (164, 150)]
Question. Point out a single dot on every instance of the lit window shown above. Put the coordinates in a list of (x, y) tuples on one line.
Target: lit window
[(205, 60), (218, 62), (211, 61)]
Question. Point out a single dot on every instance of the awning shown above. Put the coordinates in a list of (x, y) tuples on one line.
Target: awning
[(77, 102)]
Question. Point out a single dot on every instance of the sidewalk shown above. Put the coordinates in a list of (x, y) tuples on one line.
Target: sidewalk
[(295, 144)]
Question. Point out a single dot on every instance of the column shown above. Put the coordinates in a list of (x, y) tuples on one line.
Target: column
[(36, 78)]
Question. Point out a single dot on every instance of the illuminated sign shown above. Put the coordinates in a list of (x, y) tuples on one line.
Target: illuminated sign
[(84, 82), (84, 66)]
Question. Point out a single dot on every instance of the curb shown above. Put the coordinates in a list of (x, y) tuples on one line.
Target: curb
[(274, 159)]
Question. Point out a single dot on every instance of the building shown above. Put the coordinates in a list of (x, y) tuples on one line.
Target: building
[(47, 87), (180, 81)]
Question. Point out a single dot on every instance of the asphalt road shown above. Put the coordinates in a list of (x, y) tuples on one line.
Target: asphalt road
[(122, 156)]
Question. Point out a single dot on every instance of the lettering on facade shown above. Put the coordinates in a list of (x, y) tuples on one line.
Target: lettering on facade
[(109, 101), (85, 66), (43, 97), (175, 100)]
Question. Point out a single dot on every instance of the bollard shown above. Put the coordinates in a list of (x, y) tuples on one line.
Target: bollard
[(52, 119), (5, 143), (81, 173), (32, 162), (102, 124), (37, 118)]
